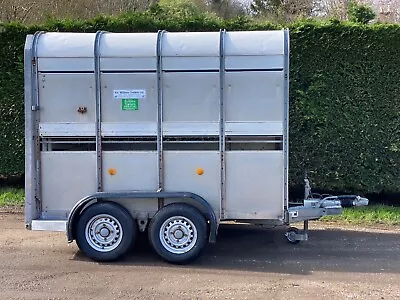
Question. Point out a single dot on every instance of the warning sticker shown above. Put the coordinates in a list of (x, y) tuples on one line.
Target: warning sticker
[(130, 104), (129, 94)]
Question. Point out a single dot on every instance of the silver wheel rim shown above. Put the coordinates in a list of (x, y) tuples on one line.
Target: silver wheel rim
[(291, 236), (178, 235), (103, 233)]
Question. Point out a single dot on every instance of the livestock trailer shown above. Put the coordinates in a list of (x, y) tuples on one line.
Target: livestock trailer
[(169, 133)]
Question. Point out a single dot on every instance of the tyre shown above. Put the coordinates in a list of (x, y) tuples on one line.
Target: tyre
[(105, 231), (291, 235), (178, 233)]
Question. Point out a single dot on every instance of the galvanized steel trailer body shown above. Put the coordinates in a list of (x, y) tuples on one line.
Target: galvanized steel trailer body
[(204, 124)]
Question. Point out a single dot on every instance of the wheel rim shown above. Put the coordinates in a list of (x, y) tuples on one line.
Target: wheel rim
[(103, 233), (178, 235), (291, 236)]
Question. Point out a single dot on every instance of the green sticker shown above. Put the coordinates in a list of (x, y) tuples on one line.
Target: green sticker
[(130, 104)]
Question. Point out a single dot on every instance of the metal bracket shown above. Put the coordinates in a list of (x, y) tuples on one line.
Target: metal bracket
[(142, 220), (82, 109)]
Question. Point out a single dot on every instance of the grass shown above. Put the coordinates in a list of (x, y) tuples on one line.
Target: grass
[(373, 214), (368, 215), (12, 197)]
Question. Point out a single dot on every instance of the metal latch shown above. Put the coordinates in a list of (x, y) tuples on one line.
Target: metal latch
[(82, 109), (35, 107)]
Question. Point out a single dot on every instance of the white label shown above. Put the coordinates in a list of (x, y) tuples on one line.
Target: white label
[(129, 94)]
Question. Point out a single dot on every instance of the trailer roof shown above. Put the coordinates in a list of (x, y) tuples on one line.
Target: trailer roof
[(194, 44)]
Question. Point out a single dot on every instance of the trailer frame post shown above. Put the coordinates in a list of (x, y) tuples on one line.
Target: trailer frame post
[(36, 110), (99, 152), (222, 143), (286, 118), (160, 112), (33, 206)]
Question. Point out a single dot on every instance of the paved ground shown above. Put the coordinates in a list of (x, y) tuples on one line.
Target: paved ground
[(246, 263)]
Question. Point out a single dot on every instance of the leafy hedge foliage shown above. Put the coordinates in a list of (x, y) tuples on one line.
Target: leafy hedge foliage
[(11, 100), (345, 106), (344, 93)]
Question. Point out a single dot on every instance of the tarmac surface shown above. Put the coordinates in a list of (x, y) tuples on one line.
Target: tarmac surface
[(247, 262)]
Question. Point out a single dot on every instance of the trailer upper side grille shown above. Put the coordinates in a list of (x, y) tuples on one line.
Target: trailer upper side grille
[(171, 143)]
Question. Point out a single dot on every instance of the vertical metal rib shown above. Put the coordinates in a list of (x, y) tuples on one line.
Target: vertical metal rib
[(160, 162), (35, 90), (286, 118), (35, 108), (99, 155), (222, 120)]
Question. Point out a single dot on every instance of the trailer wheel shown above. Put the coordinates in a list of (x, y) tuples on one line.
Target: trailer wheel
[(178, 233), (291, 235), (105, 231)]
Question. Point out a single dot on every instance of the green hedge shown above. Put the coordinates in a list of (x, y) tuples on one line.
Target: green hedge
[(344, 94), (11, 100), (345, 97)]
